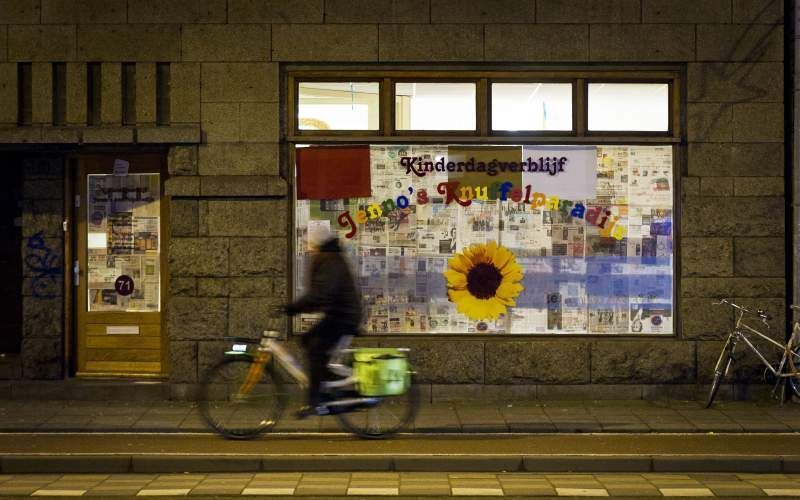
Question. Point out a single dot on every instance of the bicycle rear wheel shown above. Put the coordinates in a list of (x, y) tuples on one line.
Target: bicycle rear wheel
[(720, 370), (234, 410), (386, 417)]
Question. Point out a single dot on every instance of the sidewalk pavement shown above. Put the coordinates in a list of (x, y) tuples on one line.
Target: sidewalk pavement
[(607, 416)]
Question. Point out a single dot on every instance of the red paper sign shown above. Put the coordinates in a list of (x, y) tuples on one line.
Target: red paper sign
[(333, 172)]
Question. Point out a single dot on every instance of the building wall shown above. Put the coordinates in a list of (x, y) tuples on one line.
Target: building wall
[(230, 203)]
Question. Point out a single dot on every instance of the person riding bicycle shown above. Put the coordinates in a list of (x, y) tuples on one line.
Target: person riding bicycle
[(332, 291)]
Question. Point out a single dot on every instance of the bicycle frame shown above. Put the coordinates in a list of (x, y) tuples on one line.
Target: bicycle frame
[(739, 334)]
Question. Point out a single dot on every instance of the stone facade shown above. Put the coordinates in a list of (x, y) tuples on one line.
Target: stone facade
[(230, 202)]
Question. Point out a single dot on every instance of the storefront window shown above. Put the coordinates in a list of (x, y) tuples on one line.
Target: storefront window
[(629, 107), (531, 106), (338, 105), (434, 106), (512, 239)]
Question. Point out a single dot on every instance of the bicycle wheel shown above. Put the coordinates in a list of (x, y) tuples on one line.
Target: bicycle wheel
[(720, 370), (387, 416), (234, 413)]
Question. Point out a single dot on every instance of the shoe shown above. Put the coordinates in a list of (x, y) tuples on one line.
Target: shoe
[(308, 411)]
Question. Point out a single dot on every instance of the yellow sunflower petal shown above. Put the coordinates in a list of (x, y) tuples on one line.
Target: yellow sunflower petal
[(508, 290), (490, 250), (502, 257), (455, 279), (511, 268), (461, 263)]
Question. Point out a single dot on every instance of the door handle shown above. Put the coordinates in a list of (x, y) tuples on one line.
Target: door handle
[(76, 273)]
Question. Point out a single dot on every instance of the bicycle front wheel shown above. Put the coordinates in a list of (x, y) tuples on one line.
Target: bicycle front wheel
[(238, 402), (384, 416), (720, 370)]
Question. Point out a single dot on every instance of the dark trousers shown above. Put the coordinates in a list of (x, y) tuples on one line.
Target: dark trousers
[(318, 343)]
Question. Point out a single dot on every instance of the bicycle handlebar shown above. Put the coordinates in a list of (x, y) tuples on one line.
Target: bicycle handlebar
[(759, 312)]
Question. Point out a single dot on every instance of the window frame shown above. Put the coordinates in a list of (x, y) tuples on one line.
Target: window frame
[(674, 75)]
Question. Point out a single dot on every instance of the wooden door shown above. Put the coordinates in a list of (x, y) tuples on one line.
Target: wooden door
[(119, 278)]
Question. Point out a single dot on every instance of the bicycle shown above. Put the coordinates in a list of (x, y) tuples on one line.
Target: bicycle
[(786, 367), (243, 395)]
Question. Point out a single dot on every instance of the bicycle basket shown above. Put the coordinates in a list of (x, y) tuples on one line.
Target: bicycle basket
[(381, 371)]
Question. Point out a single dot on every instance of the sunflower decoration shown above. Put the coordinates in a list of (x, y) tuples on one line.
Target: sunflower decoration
[(483, 280)]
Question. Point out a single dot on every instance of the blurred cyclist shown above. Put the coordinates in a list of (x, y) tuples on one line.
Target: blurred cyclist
[(333, 292)]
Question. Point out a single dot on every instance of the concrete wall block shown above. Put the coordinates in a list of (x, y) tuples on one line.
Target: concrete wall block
[(24, 135), (177, 11), (61, 135), (259, 256), (758, 11), (709, 122), (736, 160), (182, 361), (707, 257), (254, 287), (759, 257), (739, 42), (220, 122), (213, 287), (83, 11), (735, 82), (758, 122), (226, 42), (129, 42), (275, 11), (20, 11), (634, 42), (41, 43), (182, 160), (277, 186), (111, 94), (483, 11), (42, 93), (716, 186), (146, 93), (240, 82), (588, 11), (42, 358), (43, 189), (184, 287), (182, 186), (238, 159), (449, 42), (702, 320), (535, 42), (690, 186), (184, 217), (189, 134), (537, 362), (442, 361), (42, 317), (686, 11), (251, 316), (233, 185), (198, 257), (732, 287), (8, 93), (644, 361), (197, 318), (260, 122), (246, 218), (184, 95), (355, 42), (377, 11), (758, 186), (732, 216), (76, 94), (3, 43), (45, 216)]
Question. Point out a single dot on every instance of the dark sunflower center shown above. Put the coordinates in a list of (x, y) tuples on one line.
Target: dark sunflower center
[(483, 280)]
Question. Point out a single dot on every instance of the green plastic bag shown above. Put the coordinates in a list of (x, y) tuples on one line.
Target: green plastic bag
[(381, 371)]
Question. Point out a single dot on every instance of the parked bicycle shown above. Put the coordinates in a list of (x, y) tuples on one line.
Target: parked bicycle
[(784, 370), (244, 395)]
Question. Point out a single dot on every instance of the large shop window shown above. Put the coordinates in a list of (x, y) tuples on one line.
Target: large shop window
[(495, 230)]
